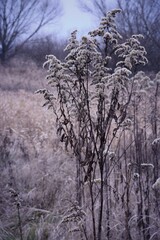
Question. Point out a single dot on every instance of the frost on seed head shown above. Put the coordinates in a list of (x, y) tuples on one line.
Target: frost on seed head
[(127, 123), (145, 165), (156, 142), (97, 180), (136, 176), (156, 185), (111, 155)]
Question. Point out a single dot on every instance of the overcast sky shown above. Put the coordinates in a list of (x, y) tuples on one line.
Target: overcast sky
[(73, 19)]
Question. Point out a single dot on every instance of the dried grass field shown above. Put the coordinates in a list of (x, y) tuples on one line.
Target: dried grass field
[(37, 174), (32, 160)]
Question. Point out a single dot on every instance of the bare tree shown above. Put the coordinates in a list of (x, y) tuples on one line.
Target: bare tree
[(142, 16), (97, 8), (20, 20)]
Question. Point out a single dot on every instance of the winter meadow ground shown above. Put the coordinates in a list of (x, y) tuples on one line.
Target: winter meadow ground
[(37, 178), (113, 191), (33, 162)]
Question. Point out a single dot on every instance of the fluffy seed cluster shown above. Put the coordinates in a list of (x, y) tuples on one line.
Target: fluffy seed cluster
[(156, 185)]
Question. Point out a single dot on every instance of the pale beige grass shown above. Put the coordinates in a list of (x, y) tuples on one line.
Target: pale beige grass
[(21, 74)]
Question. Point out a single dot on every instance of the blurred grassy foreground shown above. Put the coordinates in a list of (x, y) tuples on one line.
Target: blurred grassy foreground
[(32, 160)]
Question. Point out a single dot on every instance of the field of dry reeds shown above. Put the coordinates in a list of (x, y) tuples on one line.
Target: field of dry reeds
[(37, 180), (36, 173)]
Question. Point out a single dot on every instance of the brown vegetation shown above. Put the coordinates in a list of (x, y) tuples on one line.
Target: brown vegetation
[(34, 167), (56, 187)]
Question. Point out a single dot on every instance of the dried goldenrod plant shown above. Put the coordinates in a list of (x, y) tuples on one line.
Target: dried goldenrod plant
[(90, 93)]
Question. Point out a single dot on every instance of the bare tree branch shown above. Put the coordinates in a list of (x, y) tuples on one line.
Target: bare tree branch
[(97, 8), (142, 16), (20, 20)]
